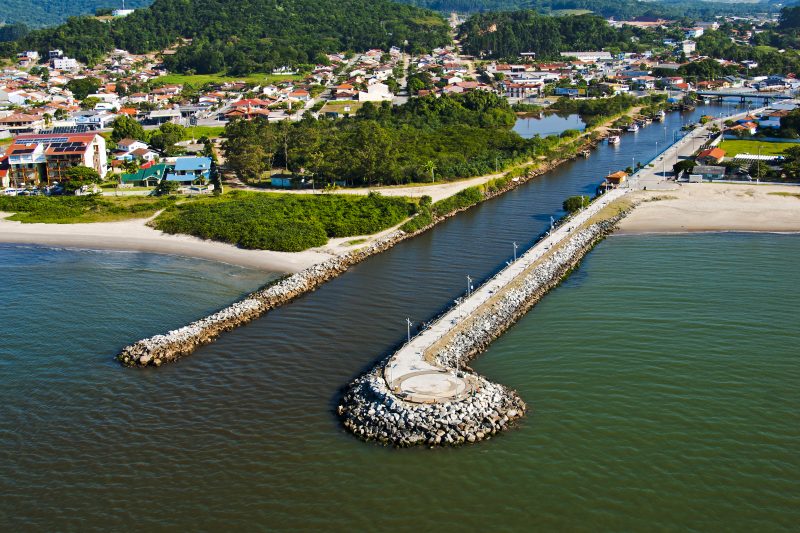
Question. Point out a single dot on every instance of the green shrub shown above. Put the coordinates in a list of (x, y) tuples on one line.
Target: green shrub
[(466, 198), (284, 222)]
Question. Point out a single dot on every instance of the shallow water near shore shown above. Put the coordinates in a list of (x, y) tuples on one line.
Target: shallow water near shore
[(662, 377)]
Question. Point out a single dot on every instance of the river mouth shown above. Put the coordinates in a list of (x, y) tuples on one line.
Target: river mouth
[(633, 424)]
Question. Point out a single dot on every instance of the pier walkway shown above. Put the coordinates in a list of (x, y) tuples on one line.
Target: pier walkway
[(413, 378)]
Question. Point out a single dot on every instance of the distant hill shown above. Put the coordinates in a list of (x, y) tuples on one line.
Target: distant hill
[(608, 8), (38, 13), (243, 36), (41, 13)]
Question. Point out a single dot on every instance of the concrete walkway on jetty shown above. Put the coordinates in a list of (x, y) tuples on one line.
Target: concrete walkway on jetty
[(410, 375)]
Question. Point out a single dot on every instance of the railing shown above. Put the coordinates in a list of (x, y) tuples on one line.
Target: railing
[(441, 316)]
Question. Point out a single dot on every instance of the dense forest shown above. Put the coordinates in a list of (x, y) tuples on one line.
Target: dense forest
[(426, 139), (243, 36), (509, 33), (49, 12), (619, 9)]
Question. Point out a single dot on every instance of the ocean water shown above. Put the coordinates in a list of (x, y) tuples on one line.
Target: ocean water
[(662, 378)]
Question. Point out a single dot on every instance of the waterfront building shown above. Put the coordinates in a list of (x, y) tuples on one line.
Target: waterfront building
[(190, 170), (34, 159)]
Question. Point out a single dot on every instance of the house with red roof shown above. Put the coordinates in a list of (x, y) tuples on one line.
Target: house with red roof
[(34, 159), (711, 156)]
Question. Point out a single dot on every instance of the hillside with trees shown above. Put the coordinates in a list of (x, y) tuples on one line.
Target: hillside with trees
[(50, 12), (243, 36), (507, 34), (619, 9)]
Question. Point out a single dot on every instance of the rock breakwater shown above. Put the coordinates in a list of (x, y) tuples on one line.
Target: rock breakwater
[(372, 410), (160, 349), (174, 344)]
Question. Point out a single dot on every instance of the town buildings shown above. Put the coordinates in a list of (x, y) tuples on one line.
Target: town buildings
[(35, 159)]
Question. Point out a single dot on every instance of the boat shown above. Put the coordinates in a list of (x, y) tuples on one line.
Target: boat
[(614, 139), (585, 153), (633, 127), (660, 116)]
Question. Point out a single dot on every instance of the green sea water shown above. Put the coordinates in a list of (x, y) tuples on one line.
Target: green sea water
[(663, 378)]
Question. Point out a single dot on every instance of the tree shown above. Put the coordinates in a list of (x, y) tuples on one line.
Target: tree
[(576, 203), (125, 127), (76, 177), (759, 170), (166, 187), (430, 167), (167, 136), (131, 166), (90, 103), (83, 87), (683, 166)]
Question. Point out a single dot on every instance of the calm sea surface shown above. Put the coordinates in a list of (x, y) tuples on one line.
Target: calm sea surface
[(663, 379)]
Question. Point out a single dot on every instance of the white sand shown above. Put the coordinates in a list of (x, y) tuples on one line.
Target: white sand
[(698, 207), (134, 235)]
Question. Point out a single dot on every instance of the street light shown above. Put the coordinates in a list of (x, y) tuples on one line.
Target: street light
[(408, 328), (515, 250), (469, 286)]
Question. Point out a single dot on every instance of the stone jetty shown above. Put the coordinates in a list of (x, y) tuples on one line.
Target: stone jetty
[(425, 394), (170, 346), (160, 349)]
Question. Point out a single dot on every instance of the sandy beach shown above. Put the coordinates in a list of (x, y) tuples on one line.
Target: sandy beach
[(699, 207), (135, 235)]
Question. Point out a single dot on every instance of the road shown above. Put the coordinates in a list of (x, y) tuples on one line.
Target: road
[(660, 175)]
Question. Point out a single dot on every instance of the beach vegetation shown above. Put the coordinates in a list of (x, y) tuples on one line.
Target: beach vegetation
[(78, 209), (284, 222)]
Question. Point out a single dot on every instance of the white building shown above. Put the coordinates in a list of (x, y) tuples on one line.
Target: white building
[(65, 63), (376, 92)]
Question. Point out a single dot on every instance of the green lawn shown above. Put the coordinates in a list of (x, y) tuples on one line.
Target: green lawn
[(203, 131), (198, 80), (734, 147), (76, 209)]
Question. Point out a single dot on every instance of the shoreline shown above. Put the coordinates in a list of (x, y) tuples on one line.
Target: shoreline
[(714, 208), (135, 236)]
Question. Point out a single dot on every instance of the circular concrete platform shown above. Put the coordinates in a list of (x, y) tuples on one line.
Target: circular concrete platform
[(430, 386)]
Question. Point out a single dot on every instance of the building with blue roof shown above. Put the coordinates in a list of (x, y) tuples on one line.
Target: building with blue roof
[(190, 170)]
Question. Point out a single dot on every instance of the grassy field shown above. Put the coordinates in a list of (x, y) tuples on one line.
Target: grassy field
[(570, 12), (340, 105), (76, 209), (203, 131), (198, 80), (283, 222), (734, 147)]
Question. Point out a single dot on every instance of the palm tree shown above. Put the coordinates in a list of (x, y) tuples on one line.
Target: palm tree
[(430, 166)]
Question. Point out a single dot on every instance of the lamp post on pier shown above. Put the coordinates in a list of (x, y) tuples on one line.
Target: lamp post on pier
[(408, 328), (515, 250), (469, 286)]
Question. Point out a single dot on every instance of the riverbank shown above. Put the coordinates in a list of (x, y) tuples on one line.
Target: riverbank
[(708, 207), (309, 269)]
